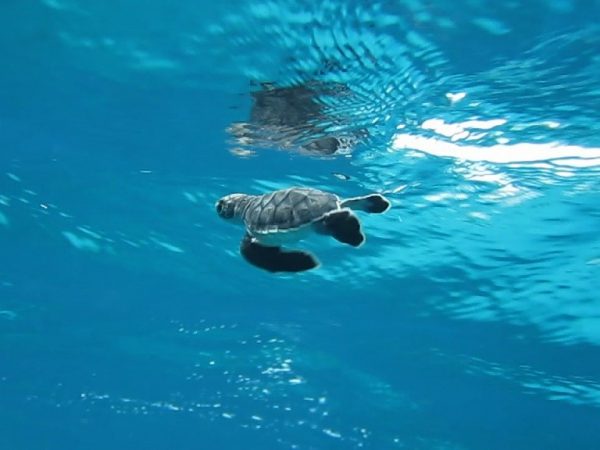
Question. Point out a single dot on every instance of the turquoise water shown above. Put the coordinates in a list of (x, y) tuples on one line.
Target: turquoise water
[(470, 319)]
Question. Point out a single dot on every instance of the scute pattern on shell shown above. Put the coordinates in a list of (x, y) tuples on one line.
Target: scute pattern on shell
[(288, 209)]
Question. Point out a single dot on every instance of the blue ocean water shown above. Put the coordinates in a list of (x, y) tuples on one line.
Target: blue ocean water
[(469, 320)]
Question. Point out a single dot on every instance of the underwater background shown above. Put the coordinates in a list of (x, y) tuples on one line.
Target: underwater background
[(469, 320)]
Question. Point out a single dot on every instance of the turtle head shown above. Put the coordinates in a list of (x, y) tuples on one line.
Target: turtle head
[(229, 207)]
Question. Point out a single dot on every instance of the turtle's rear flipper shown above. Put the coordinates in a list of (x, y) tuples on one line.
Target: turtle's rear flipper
[(373, 203), (343, 226), (274, 259)]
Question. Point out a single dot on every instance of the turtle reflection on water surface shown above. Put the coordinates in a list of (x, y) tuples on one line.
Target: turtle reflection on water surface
[(294, 118)]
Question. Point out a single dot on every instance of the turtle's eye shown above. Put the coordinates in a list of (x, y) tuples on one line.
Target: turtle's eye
[(220, 207)]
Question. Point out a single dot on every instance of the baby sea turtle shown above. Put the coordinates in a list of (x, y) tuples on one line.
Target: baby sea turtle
[(288, 215)]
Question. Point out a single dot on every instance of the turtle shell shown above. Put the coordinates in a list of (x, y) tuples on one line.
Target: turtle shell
[(288, 209)]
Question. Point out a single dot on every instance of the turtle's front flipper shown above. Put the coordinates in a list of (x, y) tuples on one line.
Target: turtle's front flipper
[(343, 226), (274, 259), (373, 203)]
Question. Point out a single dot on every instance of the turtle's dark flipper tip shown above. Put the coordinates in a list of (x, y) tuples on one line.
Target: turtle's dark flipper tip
[(274, 259), (343, 226)]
